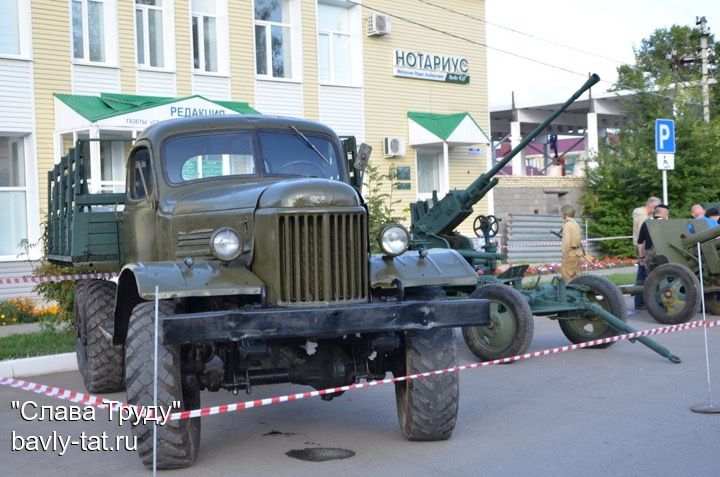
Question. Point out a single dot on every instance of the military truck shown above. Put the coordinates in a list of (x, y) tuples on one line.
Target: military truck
[(252, 233)]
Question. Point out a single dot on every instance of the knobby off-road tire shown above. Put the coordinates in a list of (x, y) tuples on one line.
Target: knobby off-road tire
[(512, 326), (604, 293), (100, 363), (177, 441), (427, 407), (672, 294)]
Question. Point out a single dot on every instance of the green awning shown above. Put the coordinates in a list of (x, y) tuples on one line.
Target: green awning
[(108, 105), (429, 128)]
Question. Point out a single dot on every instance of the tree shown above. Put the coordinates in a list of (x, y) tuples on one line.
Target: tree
[(627, 174)]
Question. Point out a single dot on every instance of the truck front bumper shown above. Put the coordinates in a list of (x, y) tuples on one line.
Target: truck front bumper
[(322, 322)]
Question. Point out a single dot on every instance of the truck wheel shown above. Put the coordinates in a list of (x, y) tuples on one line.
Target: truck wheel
[(672, 294), (427, 407), (177, 441), (604, 293), (99, 361), (511, 329)]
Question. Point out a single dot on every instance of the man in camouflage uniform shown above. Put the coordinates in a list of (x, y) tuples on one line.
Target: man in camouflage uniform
[(572, 250)]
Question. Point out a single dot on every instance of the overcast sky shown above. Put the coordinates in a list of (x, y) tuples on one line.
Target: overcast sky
[(609, 28)]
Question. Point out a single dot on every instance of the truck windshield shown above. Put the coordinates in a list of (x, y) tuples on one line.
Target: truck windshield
[(287, 154), (189, 158)]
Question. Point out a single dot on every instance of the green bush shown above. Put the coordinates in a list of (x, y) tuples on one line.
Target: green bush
[(381, 205), (62, 293)]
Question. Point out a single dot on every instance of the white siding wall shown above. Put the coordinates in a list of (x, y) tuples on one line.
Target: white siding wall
[(16, 99), (212, 87), (341, 108), (156, 83), (12, 270), (279, 97), (92, 80)]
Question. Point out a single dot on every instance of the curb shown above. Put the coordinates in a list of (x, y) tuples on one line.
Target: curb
[(37, 365)]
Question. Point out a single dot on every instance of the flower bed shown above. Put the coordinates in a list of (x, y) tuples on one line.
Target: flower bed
[(601, 264), (24, 310)]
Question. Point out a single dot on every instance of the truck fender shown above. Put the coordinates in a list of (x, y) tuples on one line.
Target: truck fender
[(138, 281), (440, 266)]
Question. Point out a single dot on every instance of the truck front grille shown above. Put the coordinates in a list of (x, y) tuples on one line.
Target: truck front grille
[(323, 257)]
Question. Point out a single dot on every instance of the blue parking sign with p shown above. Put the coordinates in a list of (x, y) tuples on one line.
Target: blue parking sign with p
[(665, 136)]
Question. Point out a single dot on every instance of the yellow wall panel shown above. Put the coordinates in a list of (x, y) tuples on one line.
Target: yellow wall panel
[(51, 68), (126, 47), (242, 51), (388, 99), (310, 59), (183, 49)]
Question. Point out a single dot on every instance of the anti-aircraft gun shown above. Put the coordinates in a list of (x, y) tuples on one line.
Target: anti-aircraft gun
[(589, 308), (672, 287)]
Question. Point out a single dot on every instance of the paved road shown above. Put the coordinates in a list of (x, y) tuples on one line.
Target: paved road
[(621, 411)]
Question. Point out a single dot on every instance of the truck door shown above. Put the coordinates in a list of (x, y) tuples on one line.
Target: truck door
[(140, 208)]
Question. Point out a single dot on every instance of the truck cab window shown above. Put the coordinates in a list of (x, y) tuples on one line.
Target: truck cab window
[(140, 169), (205, 156), (287, 154)]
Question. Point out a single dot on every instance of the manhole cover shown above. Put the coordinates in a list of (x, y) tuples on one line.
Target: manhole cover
[(320, 454)]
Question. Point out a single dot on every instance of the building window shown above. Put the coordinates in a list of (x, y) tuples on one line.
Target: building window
[(14, 28), (334, 44), (273, 43), (9, 28), (205, 35), (149, 33), (429, 165), (13, 196), (88, 20)]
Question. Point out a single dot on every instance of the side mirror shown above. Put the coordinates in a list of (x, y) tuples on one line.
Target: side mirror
[(363, 157)]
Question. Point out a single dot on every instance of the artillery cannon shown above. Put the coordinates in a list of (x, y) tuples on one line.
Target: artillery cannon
[(588, 308), (672, 287)]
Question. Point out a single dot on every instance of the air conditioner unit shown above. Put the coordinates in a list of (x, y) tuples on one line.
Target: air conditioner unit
[(378, 24), (393, 146)]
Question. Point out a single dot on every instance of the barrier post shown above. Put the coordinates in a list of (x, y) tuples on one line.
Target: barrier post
[(706, 407), (155, 377)]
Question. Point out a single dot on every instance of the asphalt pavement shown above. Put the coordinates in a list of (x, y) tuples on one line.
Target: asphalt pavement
[(622, 411)]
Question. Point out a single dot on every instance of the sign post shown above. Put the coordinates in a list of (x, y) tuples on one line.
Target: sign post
[(665, 148)]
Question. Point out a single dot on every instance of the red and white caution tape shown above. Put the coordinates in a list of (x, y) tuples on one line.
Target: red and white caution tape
[(55, 278), (90, 400)]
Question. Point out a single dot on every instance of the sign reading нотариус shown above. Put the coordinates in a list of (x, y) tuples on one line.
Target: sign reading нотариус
[(428, 66)]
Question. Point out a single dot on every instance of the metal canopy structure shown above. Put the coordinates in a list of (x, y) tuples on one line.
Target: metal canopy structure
[(610, 109), (589, 118)]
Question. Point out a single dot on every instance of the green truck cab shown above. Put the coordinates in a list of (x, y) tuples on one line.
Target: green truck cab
[(253, 234)]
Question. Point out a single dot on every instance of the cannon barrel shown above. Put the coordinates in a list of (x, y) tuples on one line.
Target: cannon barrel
[(700, 237), (482, 185), (433, 219)]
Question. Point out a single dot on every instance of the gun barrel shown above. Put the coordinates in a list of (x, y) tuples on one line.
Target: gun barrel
[(701, 237), (473, 191)]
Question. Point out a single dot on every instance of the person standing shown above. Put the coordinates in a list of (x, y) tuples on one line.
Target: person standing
[(571, 246), (698, 212), (639, 216)]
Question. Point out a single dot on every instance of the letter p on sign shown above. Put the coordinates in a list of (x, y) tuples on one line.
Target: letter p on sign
[(665, 136)]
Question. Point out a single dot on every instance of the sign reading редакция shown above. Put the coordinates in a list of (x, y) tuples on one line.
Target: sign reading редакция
[(429, 66)]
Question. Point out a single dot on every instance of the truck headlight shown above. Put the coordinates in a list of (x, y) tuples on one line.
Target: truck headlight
[(394, 240), (225, 244)]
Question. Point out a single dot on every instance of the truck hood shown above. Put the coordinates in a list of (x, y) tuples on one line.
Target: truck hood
[(285, 193)]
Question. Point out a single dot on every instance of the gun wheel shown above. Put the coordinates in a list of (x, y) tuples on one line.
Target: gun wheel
[(604, 293), (672, 294), (511, 329)]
